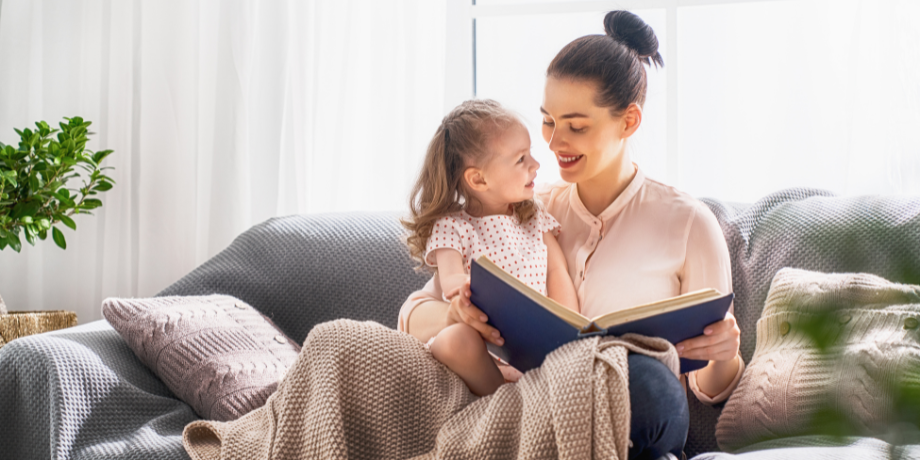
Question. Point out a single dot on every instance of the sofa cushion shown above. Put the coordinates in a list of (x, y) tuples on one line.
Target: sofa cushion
[(867, 327), (216, 353)]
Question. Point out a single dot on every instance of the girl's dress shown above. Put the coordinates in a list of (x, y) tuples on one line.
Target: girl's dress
[(517, 248)]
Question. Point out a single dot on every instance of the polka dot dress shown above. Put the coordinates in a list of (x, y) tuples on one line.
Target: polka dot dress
[(516, 248)]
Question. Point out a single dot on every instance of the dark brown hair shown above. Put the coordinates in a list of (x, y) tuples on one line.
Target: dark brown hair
[(613, 61), (462, 141)]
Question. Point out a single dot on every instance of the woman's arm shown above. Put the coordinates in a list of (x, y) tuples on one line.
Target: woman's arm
[(559, 286), (708, 265)]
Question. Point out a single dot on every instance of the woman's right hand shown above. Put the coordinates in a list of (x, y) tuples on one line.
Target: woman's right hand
[(461, 310)]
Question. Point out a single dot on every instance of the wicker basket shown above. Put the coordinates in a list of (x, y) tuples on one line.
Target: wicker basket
[(18, 324)]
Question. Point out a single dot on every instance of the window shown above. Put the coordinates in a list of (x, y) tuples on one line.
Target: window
[(755, 96)]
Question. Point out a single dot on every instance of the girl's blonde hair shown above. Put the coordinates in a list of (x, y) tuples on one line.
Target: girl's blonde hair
[(460, 142)]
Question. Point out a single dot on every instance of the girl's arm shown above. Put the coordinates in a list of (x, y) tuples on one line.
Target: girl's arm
[(559, 286), (451, 273)]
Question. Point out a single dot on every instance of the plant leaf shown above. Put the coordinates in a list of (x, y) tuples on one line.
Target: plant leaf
[(58, 238), (68, 222), (14, 242)]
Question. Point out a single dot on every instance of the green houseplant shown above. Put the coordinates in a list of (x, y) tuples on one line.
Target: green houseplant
[(34, 178)]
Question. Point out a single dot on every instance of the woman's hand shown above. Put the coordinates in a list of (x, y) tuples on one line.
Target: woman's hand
[(720, 342), (461, 310)]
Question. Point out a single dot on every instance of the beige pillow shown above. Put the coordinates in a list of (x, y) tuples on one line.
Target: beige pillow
[(216, 353), (872, 328)]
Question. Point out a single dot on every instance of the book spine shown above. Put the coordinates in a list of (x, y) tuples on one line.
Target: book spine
[(591, 330)]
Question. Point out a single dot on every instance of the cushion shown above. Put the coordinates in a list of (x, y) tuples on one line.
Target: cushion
[(812, 230), (216, 353), (826, 344)]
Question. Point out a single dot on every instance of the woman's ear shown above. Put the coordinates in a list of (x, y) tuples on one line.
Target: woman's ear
[(474, 179), (632, 118)]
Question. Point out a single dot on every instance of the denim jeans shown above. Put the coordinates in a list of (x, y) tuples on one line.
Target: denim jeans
[(660, 415)]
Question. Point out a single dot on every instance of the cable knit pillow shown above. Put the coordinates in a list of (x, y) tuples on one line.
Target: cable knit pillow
[(871, 328), (216, 353)]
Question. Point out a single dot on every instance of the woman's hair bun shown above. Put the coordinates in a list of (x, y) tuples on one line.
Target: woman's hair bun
[(632, 31)]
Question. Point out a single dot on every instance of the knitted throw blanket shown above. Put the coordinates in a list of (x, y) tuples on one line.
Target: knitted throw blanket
[(360, 390)]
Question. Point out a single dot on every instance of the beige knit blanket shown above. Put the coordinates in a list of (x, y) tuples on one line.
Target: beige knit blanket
[(362, 391)]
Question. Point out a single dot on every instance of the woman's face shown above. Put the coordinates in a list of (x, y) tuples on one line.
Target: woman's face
[(586, 139)]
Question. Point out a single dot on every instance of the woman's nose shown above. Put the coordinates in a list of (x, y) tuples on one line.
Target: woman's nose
[(555, 141)]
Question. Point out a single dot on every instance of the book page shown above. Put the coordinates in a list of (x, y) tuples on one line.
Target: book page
[(656, 308)]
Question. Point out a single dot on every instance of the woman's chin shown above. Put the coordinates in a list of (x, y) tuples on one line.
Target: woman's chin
[(569, 175)]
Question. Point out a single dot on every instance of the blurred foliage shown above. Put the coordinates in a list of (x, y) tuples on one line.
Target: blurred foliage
[(34, 196)]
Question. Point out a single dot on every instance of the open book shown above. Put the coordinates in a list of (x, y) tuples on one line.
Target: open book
[(534, 325)]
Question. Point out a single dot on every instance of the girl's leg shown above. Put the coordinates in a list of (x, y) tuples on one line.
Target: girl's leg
[(660, 414), (463, 351)]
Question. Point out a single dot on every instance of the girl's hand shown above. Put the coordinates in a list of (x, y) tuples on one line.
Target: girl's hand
[(720, 342), (461, 310)]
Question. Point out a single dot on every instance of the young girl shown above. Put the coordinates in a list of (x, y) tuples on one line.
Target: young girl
[(474, 197)]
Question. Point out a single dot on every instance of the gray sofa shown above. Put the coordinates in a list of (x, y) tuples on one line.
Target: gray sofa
[(80, 393)]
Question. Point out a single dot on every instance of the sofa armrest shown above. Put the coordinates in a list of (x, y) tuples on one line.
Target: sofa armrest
[(81, 393)]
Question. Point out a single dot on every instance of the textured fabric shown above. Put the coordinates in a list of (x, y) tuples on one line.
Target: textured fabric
[(651, 243), (304, 270), (821, 448), (219, 355), (789, 379), (391, 399), (82, 394), (517, 249), (812, 230)]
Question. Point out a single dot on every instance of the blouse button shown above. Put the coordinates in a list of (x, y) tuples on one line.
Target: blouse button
[(911, 323), (240, 305), (844, 319), (280, 339)]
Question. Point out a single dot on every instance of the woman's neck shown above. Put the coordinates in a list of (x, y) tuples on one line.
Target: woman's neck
[(600, 191)]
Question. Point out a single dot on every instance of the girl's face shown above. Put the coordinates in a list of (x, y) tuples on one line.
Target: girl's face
[(507, 176), (586, 139)]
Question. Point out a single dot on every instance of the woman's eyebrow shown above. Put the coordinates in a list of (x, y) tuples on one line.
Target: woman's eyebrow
[(566, 116)]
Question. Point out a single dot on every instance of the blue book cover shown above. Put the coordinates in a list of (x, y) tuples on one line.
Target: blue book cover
[(534, 325)]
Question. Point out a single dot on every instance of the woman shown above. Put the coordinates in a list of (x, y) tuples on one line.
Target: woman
[(627, 239)]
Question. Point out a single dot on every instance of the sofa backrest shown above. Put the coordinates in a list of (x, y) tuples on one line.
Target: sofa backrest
[(814, 230), (304, 270)]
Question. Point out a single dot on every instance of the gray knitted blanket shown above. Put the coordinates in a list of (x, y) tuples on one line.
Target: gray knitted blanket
[(360, 390)]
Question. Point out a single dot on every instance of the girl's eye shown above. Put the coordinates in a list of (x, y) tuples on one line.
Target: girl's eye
[(521, 160), (579, 130), (548, 123)]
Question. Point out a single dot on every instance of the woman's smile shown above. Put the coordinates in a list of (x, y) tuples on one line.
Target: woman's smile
[(567, 161)]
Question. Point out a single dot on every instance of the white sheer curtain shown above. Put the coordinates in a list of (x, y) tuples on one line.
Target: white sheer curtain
[(222, 114)]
